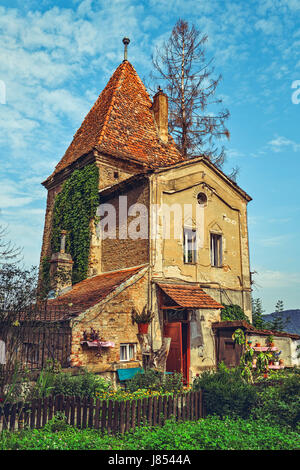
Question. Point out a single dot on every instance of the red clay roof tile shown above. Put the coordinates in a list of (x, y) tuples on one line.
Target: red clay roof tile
[(91, 291), (121, 123), (189, 296)]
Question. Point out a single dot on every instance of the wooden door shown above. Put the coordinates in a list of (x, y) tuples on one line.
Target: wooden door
[(174, 359), (229, 352)]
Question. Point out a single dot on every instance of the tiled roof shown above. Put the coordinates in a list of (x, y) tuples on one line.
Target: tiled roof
[(189, 296), (251, 329), (121, 123), (91, 291)]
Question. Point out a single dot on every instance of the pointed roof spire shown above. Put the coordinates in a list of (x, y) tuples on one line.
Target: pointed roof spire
[(125, 41), (121, 124)]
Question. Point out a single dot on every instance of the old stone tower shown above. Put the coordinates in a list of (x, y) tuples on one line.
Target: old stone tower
[(184, 280)]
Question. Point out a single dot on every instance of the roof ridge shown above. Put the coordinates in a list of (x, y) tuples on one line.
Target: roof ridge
[(113, 99)]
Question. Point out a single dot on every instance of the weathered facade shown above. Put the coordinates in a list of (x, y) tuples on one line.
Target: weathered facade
[(191, 257)]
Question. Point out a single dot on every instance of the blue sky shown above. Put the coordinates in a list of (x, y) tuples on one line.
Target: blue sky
[(56, 57)]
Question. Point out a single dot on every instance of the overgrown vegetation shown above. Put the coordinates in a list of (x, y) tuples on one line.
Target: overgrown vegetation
[(74, 208), (211, 433)]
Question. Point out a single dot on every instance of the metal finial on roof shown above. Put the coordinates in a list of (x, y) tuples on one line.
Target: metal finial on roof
[(125, 41)]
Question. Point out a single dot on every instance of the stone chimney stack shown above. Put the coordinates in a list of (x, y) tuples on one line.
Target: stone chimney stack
[(61, 266), (160, 110)]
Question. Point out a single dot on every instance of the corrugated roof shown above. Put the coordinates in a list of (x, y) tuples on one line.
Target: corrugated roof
[(121, 123), (189, 296)]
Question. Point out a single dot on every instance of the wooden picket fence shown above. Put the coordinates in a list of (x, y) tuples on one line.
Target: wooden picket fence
[(105, 415)]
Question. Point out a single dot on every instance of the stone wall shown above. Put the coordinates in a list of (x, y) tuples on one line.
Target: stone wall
[(112, 319), (121, 253)]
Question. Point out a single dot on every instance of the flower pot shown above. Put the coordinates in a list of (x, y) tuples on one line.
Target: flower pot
[(143, 328), (276, 363), (271, 345), (257, 345), (281, 362)]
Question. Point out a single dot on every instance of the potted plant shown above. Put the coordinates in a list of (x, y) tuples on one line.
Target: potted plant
[(270, 341), (142, 319), (276, 357)]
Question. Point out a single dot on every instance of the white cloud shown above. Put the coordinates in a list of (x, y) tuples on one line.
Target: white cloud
[(280, 143)]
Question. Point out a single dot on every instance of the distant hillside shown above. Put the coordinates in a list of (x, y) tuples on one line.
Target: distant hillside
[(294, 323)]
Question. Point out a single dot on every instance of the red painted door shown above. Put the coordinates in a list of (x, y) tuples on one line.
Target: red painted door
[(174, 359)]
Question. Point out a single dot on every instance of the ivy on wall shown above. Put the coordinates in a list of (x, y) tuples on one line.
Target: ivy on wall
[(74, 207)]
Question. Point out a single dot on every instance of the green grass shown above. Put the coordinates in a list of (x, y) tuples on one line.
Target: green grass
[(211, 433)]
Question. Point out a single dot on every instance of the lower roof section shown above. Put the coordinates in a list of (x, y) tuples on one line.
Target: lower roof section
[(92, 290), (191, 296)]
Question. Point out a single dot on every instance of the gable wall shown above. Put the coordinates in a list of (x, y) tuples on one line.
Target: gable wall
[(225, 213)]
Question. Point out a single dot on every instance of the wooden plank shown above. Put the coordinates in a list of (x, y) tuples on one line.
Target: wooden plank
[(122, 417), (72, 411), (67, 406), (144, 411), (104, 410), (12, 418), (97, 414), (133, 414), (165, 408), (201, 405), (91, 409), (127, 416), (32, 414), (196, 400), (138, 412), (155, 411), (38, 413), (116, 417), (188, 406), (150, 410), (45, 411), (170, 407), (182, 401), (78, 412), (160, 410), (110, 416), (84, 412)]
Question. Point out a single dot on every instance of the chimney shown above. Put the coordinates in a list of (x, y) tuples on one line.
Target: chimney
[(61, 266), (160, 110)]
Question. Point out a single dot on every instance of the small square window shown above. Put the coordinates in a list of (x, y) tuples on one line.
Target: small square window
[(127, 351)]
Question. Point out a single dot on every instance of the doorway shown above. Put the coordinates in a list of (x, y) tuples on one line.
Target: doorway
[(178, 359)]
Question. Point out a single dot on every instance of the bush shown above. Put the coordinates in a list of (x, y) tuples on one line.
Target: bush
[(86, 384), (152, 379), (233, 312), (280, 404), (225, 393)]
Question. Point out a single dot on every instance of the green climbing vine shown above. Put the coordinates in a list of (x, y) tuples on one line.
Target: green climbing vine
[(74, 207)]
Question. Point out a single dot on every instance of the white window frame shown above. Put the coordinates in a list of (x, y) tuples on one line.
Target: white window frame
[(189, 245), (130, 351)]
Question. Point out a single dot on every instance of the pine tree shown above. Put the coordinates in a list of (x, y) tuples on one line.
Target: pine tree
[(257, 312), (279, 323)]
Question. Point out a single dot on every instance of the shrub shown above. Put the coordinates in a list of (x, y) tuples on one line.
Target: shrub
[(280, 403), (86, 384), (155, 380), (225, 393), (233, 312)]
